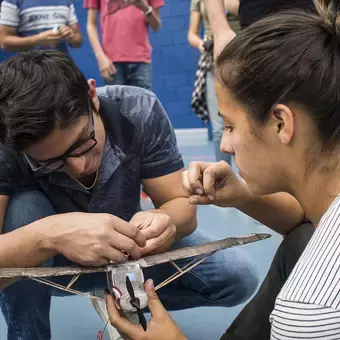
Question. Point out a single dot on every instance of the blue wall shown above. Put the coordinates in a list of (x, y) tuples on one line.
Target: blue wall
[(174, 62)]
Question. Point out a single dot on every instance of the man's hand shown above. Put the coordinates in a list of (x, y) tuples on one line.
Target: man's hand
[(158, 230), (95, 239), (67, 33), (161, 326), (48, 38), (106, 67), (213, 183), (141, 4)]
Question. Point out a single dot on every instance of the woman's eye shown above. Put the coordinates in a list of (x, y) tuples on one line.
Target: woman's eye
[(228, 128)]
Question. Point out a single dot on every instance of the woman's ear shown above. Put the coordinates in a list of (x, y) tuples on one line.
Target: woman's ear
[(282, 119)]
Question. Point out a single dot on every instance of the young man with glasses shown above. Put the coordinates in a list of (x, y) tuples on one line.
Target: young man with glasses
[(71, 164)]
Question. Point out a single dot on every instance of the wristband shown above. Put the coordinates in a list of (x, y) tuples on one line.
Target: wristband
[(148, 11)]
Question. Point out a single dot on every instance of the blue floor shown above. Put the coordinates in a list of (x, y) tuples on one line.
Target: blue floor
[(73, 318)]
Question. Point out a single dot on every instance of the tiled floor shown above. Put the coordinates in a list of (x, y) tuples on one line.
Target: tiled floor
[(73, 318)]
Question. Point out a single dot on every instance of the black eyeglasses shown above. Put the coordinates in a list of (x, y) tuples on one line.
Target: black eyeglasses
[(77, 150)]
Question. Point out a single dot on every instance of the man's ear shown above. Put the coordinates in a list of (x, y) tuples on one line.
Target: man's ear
[(93, 93), (282, 119)]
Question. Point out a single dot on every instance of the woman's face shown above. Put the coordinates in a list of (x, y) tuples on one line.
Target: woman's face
[(263, 153)]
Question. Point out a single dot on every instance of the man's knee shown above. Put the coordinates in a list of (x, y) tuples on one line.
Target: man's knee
[(237, 280), (246, 277), (25, 207), (227, 278)]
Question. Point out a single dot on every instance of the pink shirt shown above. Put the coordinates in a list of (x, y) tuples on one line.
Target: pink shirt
[(125, 34)]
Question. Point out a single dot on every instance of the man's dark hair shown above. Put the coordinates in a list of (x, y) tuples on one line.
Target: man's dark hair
[(289, 57), (39, 91)]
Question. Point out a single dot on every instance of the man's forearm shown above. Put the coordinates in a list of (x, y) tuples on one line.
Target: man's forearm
[(18, 44), (183, 215), (28, 246), (154, 21), (280, 212)]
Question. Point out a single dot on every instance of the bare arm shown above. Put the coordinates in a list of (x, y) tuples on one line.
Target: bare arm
[(105, 65), (216, 183), (216, 14), (169, 197), (9, 40), (154, 20), (223, 33), (280, 212), (193, 33), (92, 32)]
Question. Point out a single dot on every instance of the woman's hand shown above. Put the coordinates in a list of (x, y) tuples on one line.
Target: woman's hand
[(214, 183), (161, 326)]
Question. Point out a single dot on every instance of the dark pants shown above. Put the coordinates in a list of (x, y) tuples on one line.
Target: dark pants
[(253, 321), (132, 74)]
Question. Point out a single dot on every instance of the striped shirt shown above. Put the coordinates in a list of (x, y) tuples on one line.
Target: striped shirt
[(31, 17), (308, 306)]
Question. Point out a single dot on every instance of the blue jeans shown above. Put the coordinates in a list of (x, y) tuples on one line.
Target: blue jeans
[(226, 279), (132, 74), (217, 123)]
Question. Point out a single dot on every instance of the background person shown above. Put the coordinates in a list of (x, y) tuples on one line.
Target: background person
[(37, 24)]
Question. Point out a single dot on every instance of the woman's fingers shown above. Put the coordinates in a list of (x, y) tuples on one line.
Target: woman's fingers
[(194, 176), (155, 305), (124, 326), (200, 200)]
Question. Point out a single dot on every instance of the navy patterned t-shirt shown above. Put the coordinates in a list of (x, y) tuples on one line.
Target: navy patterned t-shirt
[(140, 144)]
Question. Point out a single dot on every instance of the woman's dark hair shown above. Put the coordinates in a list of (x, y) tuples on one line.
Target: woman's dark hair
[(39, 92), (290, 57)]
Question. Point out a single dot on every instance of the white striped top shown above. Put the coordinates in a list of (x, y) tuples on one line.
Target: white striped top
[(308, 306)]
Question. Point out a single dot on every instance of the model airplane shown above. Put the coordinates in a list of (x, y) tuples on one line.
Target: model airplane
[(126, 280)]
